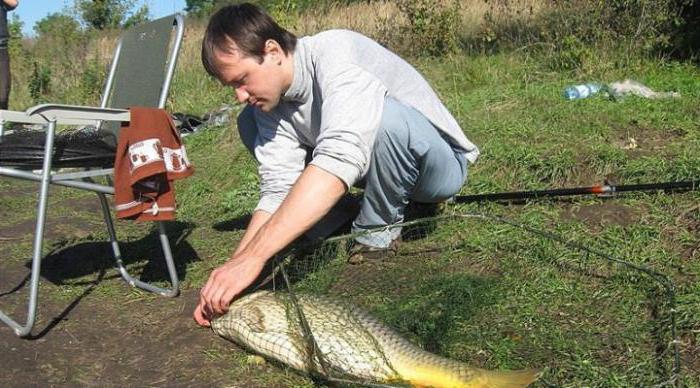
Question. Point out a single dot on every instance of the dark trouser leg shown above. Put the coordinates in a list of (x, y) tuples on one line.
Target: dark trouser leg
[(4, 78)]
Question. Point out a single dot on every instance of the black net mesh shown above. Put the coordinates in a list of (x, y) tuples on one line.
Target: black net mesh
[(448, 302), (78, 147)]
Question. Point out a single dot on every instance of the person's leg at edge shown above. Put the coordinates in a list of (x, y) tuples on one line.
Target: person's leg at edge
[(410, 161), (4, 78)]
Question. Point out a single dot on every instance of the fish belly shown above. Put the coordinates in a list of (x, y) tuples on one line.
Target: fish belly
[(267, 323)]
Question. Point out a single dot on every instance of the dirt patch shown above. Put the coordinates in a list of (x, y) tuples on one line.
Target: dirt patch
[(54, 228), (81, 215), (84, 337), (18, 188), (127, 342), (690, 353), (639, 140), (600, 215), (94, 330)]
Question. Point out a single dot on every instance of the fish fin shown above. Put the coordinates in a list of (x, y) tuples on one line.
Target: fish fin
[(254, 319), (510, 379)]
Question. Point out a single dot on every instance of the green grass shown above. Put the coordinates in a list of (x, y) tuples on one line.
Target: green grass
[(484, 292)]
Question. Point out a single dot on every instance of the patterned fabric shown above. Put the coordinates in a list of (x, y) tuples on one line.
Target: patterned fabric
[(150, 155)]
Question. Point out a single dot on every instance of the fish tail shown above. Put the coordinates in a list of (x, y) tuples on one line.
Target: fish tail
[(435, 371), (510, 379)]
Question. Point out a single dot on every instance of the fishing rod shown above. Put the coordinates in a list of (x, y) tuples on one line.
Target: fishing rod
[(604, 189)]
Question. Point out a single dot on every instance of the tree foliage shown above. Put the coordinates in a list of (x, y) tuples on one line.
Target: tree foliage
[(199, 7), (57, 24), (106, 14)]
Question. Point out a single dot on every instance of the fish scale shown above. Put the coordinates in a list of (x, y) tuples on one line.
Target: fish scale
[(352, 344)]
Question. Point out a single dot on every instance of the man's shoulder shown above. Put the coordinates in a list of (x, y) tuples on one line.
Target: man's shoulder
[(335, 37), (340, 46)]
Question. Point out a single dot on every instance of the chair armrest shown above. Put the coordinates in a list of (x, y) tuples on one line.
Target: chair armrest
[(63, 113), (10, 116)]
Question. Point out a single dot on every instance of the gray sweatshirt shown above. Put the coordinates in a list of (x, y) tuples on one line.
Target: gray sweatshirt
[(334, 107)]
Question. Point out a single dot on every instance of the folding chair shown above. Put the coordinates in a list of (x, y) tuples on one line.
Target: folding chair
[(140, 75)]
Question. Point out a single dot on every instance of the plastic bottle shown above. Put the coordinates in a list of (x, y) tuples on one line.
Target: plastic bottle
[(577, 92)]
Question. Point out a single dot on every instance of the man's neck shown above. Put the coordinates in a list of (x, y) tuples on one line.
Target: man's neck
[(288, 70)]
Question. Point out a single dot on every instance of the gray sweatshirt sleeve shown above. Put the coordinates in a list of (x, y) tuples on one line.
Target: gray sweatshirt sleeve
[(353, 102), (281, 159)]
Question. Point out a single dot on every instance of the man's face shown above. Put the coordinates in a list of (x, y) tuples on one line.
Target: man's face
[(257, 84)]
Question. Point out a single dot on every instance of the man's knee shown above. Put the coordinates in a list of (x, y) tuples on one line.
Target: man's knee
[(247, 128), (393, 129)]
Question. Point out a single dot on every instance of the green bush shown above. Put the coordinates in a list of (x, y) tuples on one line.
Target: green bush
[(91, 81), (635, 26), (107, 14), (431, 26), (685, 40), (39, 82), (199, 8), (204, 8)]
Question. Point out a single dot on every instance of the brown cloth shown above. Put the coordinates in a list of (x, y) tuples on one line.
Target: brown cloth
[(150, 155)]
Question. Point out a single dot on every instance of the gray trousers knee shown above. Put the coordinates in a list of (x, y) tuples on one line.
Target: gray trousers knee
[(410, 161)]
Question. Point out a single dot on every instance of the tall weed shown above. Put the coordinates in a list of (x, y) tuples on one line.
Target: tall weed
[(40, 83), (430, 28)]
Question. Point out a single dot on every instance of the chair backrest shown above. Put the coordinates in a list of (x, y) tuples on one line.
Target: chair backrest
[(143, 65)]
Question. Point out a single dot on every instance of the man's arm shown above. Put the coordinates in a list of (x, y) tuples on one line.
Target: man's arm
[(257, 220), (311, 197)]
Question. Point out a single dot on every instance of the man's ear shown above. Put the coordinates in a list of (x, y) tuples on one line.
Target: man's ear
[(273, 48)]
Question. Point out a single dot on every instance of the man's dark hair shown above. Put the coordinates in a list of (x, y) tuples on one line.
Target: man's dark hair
[(246, 25)]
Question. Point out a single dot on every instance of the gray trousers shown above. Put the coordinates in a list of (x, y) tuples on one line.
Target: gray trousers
[(411, 161)]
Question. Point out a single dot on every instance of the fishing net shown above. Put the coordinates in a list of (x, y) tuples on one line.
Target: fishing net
[(521, 298), (23, 147)]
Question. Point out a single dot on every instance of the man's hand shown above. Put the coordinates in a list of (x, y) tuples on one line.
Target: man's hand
[(311, 197), (223, 285)]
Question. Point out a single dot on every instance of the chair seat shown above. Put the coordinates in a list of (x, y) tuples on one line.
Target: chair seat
[(24, 149)]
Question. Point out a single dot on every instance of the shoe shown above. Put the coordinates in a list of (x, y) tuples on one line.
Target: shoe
[(360, 253)]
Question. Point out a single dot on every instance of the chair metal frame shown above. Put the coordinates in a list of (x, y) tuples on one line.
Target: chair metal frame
[(51, 115)]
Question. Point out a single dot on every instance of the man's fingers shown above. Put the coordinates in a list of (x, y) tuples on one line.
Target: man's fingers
[(218, 304), (224, 284), (228, 297), (210, 290), (208, 312), (208, 285), (205, 300), (200, 318)]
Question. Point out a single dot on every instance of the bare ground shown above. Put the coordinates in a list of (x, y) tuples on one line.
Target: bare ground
[(93, 329)]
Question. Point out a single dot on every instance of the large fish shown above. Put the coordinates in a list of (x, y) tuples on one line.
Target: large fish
[(353, 344)]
